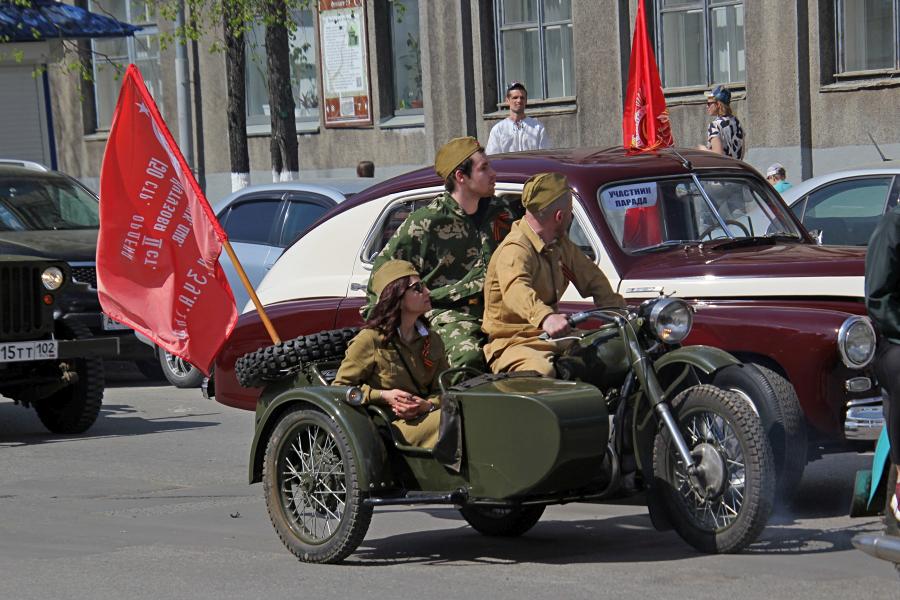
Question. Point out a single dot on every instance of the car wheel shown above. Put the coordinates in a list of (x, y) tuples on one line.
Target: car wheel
[(178, 371), (774, 399), (311, 483), (273, 363), (726, 506), (499, 521), (891, 525), (74, 408)]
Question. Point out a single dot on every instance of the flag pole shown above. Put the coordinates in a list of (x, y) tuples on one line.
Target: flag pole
[(246, 281)]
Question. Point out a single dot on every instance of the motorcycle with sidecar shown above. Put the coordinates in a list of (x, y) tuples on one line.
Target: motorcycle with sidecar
[(512, 444)]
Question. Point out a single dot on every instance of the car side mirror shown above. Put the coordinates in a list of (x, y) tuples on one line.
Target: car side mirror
[(817, 234)]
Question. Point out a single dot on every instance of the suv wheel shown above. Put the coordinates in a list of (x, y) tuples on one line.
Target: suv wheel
[(74, 408)]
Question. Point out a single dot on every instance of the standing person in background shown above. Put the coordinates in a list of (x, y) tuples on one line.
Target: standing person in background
[(883, 305), (724, 135), (517, 132), (777, 176)]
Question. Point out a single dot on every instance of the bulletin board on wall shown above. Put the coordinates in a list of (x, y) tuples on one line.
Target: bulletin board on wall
[(343, 40)]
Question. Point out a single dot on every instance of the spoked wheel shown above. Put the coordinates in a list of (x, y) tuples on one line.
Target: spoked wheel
[(310, 475), (726, 504), (499, 521)]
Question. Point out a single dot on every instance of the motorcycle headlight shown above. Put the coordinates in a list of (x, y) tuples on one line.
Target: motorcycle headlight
[(52, 278), (856, 342), (670, 320)]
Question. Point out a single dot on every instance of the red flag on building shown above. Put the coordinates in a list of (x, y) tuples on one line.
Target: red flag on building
[(157, 254), (645, 125)]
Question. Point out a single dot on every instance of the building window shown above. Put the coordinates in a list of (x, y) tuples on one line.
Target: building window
[(868, 35), (112, 56), (700, 42), (534, 46), (304, 81), (407, 59)]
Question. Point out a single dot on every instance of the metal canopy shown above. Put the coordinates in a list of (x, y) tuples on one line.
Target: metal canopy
[(47, 19)]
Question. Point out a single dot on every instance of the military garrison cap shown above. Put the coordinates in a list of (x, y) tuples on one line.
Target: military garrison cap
[(454, 153), (542, 190), (390, 272)]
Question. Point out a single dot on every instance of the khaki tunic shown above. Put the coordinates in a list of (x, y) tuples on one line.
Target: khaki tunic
[(374, 364), (525, 280)]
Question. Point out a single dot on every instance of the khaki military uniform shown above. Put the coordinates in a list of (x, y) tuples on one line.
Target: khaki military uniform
[(375, 364), (451, 250), (525, 280)]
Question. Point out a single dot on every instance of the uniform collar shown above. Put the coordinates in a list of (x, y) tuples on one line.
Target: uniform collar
[(533, 237)]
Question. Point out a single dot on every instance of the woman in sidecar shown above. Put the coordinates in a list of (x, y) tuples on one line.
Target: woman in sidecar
[(395, 360)]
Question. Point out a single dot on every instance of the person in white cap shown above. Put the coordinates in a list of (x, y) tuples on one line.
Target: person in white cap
[(777, 176)]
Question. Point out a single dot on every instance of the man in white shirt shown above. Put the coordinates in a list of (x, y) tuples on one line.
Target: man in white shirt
[(517, 132)]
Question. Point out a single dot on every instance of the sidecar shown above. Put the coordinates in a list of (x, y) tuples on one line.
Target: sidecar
[(511, 445)]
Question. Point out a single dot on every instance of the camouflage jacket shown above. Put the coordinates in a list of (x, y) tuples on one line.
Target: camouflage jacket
[(451, 251)]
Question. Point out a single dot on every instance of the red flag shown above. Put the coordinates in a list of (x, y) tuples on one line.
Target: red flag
[(157, 253), (645, 125)]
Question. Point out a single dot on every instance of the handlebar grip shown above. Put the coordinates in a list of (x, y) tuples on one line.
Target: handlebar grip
[(578, 317)]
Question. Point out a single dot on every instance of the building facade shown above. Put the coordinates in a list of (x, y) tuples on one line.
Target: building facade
[(812, 80)]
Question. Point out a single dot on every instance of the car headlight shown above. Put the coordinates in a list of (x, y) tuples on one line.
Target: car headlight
[(53, 278), (856, 342), (671, 320)]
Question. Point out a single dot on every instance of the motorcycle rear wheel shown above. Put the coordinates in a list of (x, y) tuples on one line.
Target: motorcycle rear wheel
[(738, 482)]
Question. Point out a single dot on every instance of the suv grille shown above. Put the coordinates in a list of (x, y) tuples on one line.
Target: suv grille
[(86, 275), (21, 308)]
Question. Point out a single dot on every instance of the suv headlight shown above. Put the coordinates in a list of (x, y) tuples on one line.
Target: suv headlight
[(670, 320), (52, 278), (856, 342)]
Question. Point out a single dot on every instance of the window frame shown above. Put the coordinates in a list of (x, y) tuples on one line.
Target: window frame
[(892, 184), (276, 226), (840, 71), (500, 29), (706, 6), (300, 197), (403, 112), (148, 29)]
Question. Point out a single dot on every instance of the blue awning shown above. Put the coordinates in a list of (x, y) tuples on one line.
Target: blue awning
[(46, 19)]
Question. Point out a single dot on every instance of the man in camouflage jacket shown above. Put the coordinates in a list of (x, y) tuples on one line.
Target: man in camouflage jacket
[(450, 241)]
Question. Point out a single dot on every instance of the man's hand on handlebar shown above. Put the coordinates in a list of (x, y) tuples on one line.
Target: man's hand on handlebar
[(555, 325)]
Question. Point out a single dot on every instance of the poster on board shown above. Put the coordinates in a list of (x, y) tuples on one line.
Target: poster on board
[(344, 63)]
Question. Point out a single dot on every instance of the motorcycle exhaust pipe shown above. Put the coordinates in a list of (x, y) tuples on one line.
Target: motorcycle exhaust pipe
[(885, 547)]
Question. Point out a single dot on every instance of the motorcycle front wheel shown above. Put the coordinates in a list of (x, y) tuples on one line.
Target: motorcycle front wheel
[(725, 505)]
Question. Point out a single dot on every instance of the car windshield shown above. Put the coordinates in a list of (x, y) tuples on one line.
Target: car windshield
[(660, 213), (45, 203)]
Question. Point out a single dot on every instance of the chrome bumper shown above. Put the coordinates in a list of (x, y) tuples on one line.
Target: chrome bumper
[(864, 419)]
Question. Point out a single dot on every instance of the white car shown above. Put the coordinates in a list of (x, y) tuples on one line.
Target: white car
[(843, 208)]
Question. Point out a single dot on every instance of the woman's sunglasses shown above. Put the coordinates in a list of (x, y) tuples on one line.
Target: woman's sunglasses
[(418, 287)]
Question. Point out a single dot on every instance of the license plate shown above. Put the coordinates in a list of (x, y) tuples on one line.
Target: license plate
[(21, 351), (110, 325)]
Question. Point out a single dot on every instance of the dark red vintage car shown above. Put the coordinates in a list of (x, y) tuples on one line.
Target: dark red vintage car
[(690, 223)]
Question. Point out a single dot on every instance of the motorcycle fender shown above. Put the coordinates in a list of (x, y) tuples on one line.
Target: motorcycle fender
[(375, 472), (706, 358)]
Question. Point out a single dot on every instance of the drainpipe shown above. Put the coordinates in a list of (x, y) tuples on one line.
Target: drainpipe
[(183, 92)]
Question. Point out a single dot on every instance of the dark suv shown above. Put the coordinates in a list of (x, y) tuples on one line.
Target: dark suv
[(49, 363), (47, 214)]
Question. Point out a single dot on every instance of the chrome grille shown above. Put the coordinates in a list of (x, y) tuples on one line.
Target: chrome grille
[(21, 308)]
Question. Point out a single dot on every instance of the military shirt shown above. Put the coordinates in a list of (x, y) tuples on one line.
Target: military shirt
[(375, 364), (526, 279), (451, 251), (883, 276)]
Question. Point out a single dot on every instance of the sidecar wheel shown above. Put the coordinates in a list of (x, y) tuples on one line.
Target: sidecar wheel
[(497, 521), (727, 441), (310, 477), (891, 526)]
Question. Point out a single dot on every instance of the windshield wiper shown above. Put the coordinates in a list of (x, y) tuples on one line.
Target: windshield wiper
[(761, 240), (664, 245)]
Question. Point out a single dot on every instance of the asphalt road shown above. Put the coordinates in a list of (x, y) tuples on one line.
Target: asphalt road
[(153, 503)]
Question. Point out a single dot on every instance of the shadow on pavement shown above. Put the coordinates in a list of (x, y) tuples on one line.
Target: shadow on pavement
[(19, 426)]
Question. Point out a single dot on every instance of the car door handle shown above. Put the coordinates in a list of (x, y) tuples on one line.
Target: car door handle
[(358, 287)]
